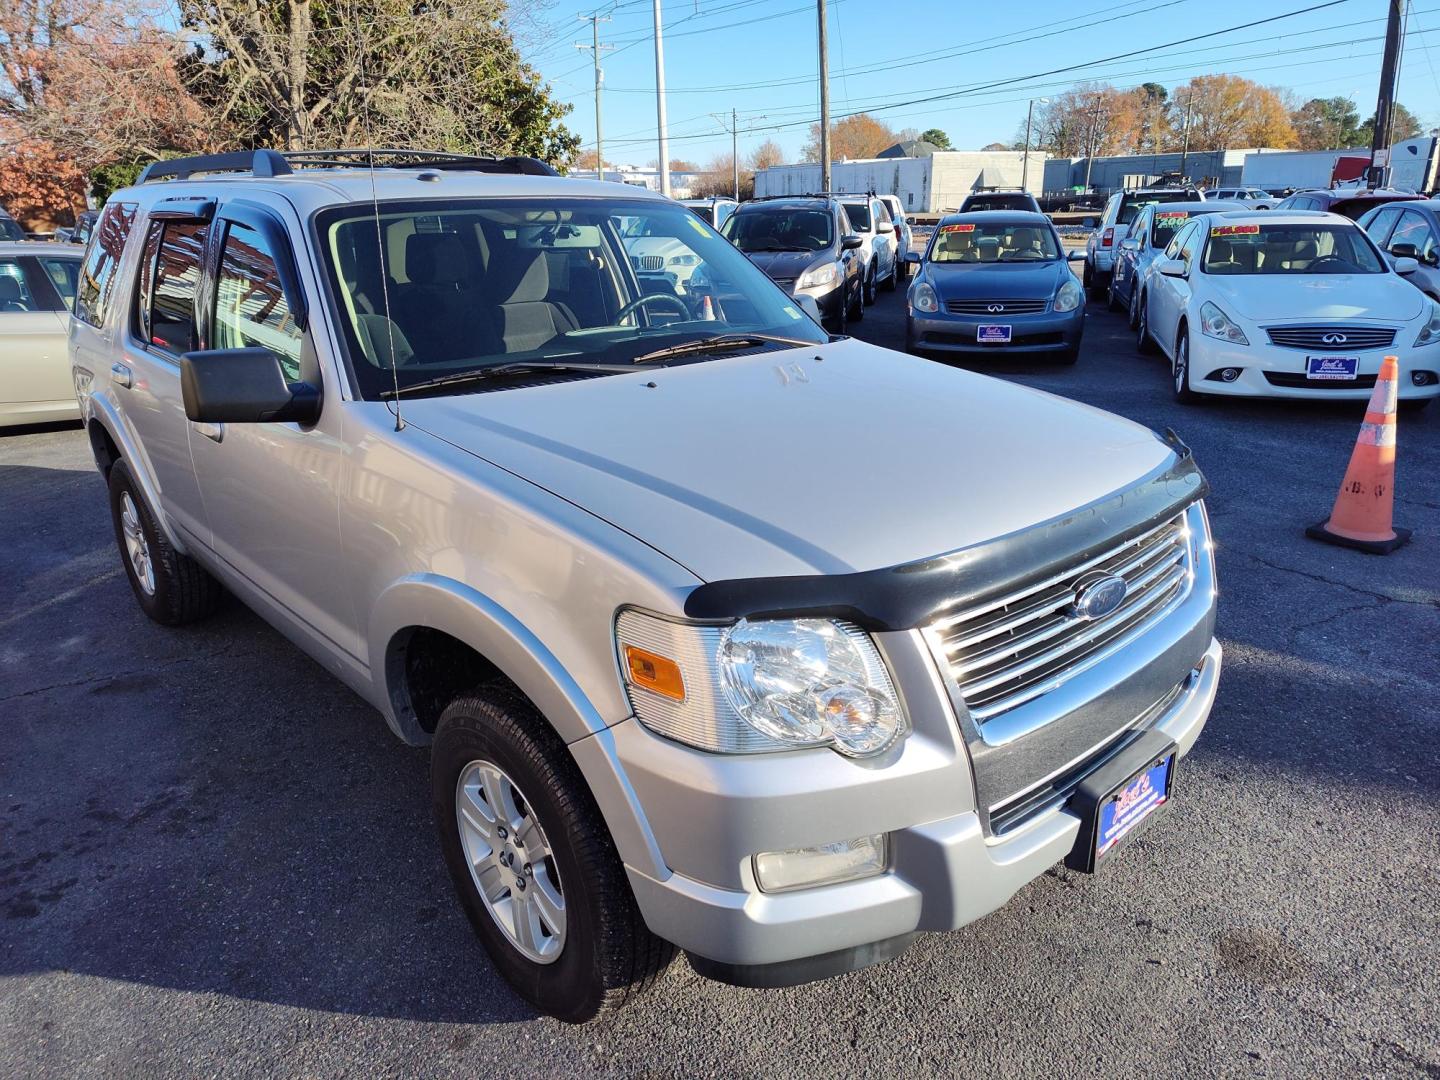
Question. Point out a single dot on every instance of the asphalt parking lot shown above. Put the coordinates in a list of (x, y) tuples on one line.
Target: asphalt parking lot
[(214, 860)]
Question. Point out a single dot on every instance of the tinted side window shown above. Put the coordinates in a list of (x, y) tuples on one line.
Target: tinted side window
[(15, 294), (1173, 251), (1414, 229), (169, 285), (250, 307), (1381, 224), (64, 275), (1189, 242), (97, 275)]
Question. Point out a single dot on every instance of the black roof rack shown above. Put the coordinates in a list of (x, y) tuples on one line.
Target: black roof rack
[(814, 195), (268, 163)]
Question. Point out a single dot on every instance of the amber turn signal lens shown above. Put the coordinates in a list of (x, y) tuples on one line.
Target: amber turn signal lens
[(655, 673)]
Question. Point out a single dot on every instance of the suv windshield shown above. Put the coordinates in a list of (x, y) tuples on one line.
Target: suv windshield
[(988, 242), (859, 215), (468, 284), (778, 228), (1130, 205), (999, 202), (1289, 249)]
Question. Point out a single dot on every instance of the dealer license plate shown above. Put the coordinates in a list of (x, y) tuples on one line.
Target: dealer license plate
[(1132, 802), (992, 334), (1331, 367)]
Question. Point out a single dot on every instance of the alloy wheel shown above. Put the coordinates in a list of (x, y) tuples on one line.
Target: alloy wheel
[(137, 548), (511, 862), (1181, 368)]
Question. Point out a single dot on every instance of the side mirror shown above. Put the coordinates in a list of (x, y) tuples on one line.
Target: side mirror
[(1404, 251), (1130, 243), (244, 386), (1075, 255), (1171, 267), (886, 227), (809, 305), (913, 257), (1090, 222), (851, 242), (1406, 265)]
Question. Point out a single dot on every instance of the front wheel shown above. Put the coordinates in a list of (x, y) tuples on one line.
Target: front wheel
[(857, 306), (532, 861), (1180, 371)]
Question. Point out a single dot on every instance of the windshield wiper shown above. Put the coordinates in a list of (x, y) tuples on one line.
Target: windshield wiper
[(519, 367), (720, 343)]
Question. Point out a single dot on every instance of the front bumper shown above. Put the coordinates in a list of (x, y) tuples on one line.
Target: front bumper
[(1269, 371), (1048, 332)]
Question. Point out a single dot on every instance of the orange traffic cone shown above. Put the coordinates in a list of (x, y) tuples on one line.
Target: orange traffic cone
[(707, 309), (1365, 507)]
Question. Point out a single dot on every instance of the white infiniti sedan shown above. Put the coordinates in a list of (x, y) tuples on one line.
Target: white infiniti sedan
[(1296, 304)]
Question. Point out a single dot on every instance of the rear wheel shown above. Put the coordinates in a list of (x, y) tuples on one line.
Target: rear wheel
[(171, 588), (1134, 310), (1112, 298), (532, 861), (894, 278), (1180, 370)]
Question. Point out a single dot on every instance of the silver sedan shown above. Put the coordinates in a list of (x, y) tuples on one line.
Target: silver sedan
[(37, 287)]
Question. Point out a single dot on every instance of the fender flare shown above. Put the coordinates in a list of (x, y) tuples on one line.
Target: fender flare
[(100, 410), (439, 603)]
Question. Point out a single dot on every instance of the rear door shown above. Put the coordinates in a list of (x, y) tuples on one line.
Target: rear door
[(271, 490)]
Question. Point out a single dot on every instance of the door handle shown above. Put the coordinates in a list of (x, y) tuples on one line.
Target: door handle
[(215, 432), (121, 375)]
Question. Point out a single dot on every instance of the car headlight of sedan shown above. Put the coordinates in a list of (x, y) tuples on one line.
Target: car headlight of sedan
[(761, 685), (818, 277), (1068, 298), (923, 298), (1215, 323), (1430, 333)]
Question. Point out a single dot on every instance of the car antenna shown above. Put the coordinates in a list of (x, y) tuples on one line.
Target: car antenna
[(379, 236)]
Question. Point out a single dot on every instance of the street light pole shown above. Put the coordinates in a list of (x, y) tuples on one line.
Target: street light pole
[(660, 104), (824, 101)]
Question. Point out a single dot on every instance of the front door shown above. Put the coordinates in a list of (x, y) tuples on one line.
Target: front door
[(271, 490)]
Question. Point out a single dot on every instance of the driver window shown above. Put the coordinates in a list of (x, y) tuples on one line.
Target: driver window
[(250, 307), (1173, 250), (1414, 229), (1188, 243)]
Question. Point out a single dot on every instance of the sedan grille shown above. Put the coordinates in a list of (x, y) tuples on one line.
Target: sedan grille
[(995, 307), (1331, 338), (648, 263), (1008, 651)]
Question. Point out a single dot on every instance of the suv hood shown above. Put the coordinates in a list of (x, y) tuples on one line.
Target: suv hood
[(834, 459), (1318, 298), (788, 264)]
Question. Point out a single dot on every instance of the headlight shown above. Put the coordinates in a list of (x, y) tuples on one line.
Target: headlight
[(923, 298), (766, 685), (1215, 323), (1068, 298), (1431, 332), (821, 275), (684, 260)]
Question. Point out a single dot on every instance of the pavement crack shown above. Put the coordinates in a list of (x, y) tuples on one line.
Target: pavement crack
[(1384, 598)]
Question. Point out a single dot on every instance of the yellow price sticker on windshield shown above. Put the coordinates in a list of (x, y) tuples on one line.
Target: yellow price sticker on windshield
[(1170, 215), (957, 228), (1235, 230)]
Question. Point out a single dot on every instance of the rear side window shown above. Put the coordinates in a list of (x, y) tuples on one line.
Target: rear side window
[(102, 257), (250, 306), (165, 312), (64, 275)]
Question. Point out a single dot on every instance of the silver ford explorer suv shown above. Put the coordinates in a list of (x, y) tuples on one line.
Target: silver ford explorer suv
[(725, 635)]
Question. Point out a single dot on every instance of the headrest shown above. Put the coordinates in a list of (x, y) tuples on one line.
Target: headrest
[(376, 333), (436, 259), (9, 288), (957, 243), (1024, 238), (1221, 250), (989, 248), (527, 278)]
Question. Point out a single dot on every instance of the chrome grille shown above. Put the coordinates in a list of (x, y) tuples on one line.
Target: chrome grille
[(648, 263), (1011, 650), (988, 307), (1313, 337)]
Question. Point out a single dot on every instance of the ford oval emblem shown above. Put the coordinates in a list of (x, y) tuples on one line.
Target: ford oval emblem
[(1334, 339), (1099, 596)]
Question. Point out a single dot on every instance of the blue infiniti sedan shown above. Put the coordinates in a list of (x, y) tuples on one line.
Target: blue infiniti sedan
[(995, 281)]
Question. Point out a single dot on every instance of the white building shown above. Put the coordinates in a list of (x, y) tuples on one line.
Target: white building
[(646, 177), (925, 185)]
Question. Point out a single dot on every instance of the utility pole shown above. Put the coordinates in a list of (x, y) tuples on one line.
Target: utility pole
[(1025, 167), (732, 126), (824, 102), (660, 104), (1185, 136), (1385, 105), (596, 48), (1094, 144)]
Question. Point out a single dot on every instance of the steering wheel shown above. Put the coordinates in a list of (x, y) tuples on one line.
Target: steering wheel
[(1316, 266), (651, 298)]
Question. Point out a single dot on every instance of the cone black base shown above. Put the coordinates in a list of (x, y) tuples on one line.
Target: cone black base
[(1370, 547)]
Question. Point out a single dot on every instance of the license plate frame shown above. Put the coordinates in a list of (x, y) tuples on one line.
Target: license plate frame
[(1329, 367), (993, 334), (1096, 801)]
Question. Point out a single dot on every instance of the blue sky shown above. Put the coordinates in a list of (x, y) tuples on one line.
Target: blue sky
[(759, 57)]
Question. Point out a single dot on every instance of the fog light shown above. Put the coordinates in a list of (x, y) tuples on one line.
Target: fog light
[(1424, 378), (828, 864)]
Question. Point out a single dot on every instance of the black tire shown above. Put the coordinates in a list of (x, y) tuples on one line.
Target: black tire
[(1180, 370), (857, 307), (1069, 356), (177, 589), (870, 293), (608, 955), (1093, 289), (1134, 309), (841, 321), (894, 279), (1112, 301), (1144, 343)]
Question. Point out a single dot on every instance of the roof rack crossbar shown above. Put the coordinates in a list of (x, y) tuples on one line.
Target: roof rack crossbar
[(257, 162)]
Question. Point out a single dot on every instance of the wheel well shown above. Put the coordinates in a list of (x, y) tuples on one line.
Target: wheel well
[(426, 669), (1180, 332), (103, 447)]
